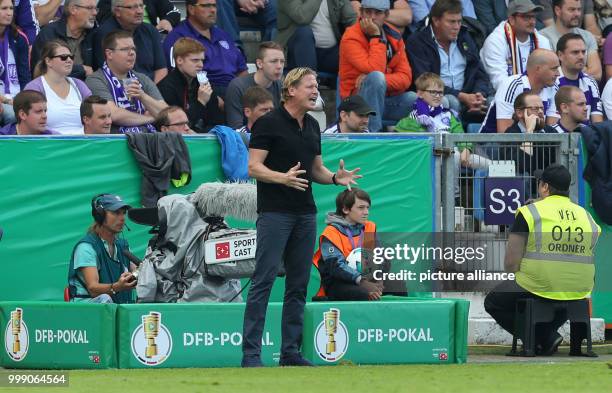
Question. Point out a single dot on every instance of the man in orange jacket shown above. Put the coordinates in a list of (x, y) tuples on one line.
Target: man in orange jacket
[(373, 64), (339, 258)]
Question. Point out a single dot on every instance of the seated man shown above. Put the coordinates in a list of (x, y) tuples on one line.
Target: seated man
[(312, 30), (400, 14), (224, 61), (542, 72), (568, 16), (99, 270), (421, 10), (30, 108), (256, 102), (547, 272), (571, 50), (173, 119), (76, 28), (572, 106), (447, 49), (96, 115), (270, 62), (160, 13), (340, 249), (182, 88), (128, 16), (373, 64), (353, 116), (507, 48), (133, 97), (591, 11)]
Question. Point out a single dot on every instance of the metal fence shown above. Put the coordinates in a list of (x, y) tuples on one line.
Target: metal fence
[(460, 202)]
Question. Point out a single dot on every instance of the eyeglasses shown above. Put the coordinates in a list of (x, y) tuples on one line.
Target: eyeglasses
[(126, 50), (181, 124), (90, 8), (526, 16), (435, 93), (63, 57), (132, 7), (209, 5), (534, 108)]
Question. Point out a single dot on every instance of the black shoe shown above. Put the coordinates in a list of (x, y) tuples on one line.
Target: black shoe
[(251, 361), (294, 360), (551, 345)]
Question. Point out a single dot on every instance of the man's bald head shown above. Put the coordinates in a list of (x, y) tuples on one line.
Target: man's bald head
[(543, 67), (540, 57)]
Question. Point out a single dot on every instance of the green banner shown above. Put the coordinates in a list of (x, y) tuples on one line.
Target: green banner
[(190, 335), (393, 332), (53, 335), (48, 184)]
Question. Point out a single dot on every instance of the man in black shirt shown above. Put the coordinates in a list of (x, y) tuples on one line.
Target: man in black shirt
[(285, 158)]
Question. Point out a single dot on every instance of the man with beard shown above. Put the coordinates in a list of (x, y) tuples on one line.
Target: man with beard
[(568, 16), (572, 55), (285, 159), (353, 116), (542, 72), (573, 108), (76, 28)]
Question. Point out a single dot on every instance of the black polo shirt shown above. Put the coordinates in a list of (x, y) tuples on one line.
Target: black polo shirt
[(287, 144)]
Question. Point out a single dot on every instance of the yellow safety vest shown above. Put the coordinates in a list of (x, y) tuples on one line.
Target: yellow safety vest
[(558, 262)]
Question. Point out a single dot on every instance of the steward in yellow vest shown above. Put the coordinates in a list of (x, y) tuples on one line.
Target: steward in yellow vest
[(338, 258), (550, 250)]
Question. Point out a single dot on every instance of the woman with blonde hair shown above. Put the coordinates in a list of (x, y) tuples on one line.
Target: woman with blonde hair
[(64, 94)]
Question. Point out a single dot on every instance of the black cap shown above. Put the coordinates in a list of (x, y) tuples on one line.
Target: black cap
[(555, 175), (356, 104)]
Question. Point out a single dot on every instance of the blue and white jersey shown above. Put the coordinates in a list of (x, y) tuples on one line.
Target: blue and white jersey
[(503, 103), (591, 91)]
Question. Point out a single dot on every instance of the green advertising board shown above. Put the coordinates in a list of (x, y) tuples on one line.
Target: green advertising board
[(57, 335), (395, 332), (190, 335)]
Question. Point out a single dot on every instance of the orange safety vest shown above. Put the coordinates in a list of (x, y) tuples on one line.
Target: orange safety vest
[(342, 243)]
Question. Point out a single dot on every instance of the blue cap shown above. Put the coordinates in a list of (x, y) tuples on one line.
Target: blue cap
[(111, 202), (382, 5)]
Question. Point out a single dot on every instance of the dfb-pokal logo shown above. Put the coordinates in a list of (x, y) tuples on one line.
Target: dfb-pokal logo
[(331, 337), (151, 340), (16, 337)]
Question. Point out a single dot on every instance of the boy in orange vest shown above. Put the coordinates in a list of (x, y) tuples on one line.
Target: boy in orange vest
[(340, 245)]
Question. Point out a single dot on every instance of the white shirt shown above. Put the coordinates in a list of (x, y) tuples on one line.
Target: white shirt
[(64, 114), (606, 98), (496, 56), (503, 103), (322, 28), (13, 79)]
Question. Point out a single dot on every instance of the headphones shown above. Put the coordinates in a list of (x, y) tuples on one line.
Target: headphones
[(97, 210)]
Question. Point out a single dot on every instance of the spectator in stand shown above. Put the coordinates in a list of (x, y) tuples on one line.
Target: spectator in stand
[(47, 11), (606, 98), (400, 14), (603, 14), (571, 50), (256, 102), (26, 20), (573, 109), (373, 64), (567, 19), (133, 98), (183, 89), (31, 111), (173, 119), (311, 31), (588, 20), (262, 12), (64, 94), (507, 48), (540, 78), (270, 62), (96, 115), (14, 61), (76, 28), (607, 55), (160, 13), (128, 15), (421, 9), (224, 60), (447, 49), (353, 116)]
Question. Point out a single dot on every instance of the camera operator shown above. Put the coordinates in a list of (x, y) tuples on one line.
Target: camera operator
[(99, 271)]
